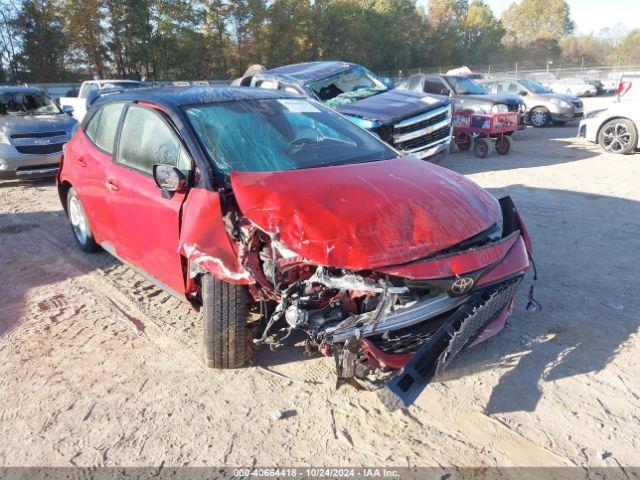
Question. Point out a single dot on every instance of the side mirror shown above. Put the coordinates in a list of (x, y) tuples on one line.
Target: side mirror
[(68, 109), (523, 93), (446, 92), (169, 179)]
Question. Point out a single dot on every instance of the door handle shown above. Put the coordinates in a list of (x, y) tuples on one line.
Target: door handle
[(82, 162), (111, 186)]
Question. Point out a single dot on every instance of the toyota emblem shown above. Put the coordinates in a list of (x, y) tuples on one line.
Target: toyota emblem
[(461, 285)]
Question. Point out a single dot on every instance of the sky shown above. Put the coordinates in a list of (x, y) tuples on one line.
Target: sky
[(588, 15)]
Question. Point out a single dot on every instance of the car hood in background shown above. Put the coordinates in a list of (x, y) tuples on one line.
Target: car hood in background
[(12, 124), (364, 216), (392, 105), (507, 99)]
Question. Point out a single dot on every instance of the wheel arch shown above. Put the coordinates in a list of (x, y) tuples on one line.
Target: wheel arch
[(63, 191)]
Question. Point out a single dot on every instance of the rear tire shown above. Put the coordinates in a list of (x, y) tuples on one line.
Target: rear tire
[(503, 145), (619, 136), (79, 223), (225, 315)]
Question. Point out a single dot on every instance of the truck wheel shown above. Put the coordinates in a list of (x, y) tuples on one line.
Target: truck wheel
[(618, 136), (539, 117), (503, 145), (225, 312), (79, 223), (482, 147)]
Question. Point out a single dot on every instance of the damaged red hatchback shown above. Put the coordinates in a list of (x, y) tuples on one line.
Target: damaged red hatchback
[(253, 203)]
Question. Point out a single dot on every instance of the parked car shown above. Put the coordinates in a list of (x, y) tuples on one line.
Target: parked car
[(466, 94), (615, 128), (543, 106), (573, 86), (412, 122), (79, 103), (543, 78), (33, 131), (248, 203)]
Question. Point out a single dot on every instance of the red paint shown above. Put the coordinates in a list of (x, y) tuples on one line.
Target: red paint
[(204, 240), (457, 264), (515, 262), (367, 215), (376, 357)]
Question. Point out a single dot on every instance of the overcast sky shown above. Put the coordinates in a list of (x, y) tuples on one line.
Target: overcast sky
[(589, 15)]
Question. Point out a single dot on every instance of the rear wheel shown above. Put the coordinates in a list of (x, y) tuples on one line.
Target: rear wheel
[(503, 145), (225, 317), (463, 141), (79, 223), (618, 136), (539, 117)]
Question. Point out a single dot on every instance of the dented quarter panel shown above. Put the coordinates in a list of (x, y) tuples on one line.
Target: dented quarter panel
[(204, 240), (368, 215)]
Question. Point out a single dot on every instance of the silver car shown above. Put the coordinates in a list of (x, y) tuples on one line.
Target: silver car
[(33, 131), (543, 105)]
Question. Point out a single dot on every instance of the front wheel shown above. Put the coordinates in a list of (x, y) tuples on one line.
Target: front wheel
[(539, 117), (225, 317), (618, 136), (79, 223), (503, 145), (482, 147)]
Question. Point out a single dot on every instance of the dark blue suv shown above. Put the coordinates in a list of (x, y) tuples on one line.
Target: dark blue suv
[(410, 121)]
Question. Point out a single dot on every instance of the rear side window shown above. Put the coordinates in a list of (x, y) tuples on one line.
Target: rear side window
[(146, 139), (434, 85), (101, 129)]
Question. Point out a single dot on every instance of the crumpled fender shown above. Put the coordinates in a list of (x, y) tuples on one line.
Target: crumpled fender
[(205, 242)]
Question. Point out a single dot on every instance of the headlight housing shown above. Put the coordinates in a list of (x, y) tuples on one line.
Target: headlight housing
[(594, 113), (4, 137), (560, 103), (499, 108)]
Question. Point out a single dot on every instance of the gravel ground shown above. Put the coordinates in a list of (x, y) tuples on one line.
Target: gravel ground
[(99, 367)]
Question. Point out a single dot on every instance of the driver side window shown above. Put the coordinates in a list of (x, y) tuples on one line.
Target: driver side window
[(146, 139)]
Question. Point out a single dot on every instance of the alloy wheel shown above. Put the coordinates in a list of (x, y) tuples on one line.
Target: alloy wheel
[(538, 118), (616, 137), (77, 219)]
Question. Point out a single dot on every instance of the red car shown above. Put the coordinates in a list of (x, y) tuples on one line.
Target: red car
[(258, 204)]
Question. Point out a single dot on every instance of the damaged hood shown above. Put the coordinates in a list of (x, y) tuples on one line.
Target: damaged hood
[(364, 216), (392, 104)]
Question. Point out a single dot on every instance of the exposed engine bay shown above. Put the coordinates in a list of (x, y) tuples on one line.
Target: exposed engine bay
[(371, 321)]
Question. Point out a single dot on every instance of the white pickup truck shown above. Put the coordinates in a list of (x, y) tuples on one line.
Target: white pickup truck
[(79, 103)]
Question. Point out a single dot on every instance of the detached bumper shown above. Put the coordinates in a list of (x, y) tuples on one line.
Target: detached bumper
[(17, 165)]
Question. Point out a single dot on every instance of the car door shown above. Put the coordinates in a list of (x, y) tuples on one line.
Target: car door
[(92, 156), (148, 222)]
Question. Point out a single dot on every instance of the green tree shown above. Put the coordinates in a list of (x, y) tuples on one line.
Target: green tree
[(629, 51), (532, 20), (586, 49), (86, 34), (42, 47), (482, 33)]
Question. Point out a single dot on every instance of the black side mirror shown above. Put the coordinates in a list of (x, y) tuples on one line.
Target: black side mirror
[(523, 93), (68, 109), (169, 179)]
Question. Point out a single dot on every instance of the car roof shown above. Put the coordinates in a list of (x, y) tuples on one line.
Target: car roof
[(309, 71), (174, 96), (20, 89)]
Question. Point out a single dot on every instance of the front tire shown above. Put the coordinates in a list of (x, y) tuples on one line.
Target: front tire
[(225, 312), (618, 136), (79, 223), (539, 117)]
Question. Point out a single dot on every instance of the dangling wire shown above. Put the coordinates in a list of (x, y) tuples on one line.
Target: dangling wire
[(533, 304)]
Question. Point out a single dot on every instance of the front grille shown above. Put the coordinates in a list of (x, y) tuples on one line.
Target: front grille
[(424, 140), (488, 305), (59, 133), (34, 168), (422, 124), (577, 115), (40, 149), (513, 107)]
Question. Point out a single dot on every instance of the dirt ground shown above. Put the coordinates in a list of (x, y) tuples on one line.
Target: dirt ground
[(99, 367)]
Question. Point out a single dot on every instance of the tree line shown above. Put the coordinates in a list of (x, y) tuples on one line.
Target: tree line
[(68, 40)]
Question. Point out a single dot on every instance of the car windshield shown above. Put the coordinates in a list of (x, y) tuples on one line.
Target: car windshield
[(466, 86), (535, 87), (281, 134), (348, 86), (26, 103)]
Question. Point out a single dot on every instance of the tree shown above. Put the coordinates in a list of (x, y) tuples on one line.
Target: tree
[(585, 49), (532, 20), (86, 34), (42, 48), (482, 33), (629, 50)]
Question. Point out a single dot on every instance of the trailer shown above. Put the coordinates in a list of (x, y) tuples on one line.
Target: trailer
[(485, 131)]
